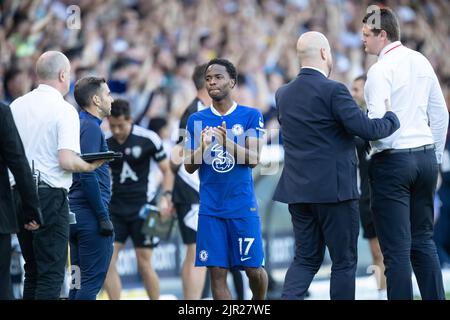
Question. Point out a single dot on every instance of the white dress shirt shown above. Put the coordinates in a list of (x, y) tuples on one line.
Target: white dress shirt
[(46, 124), (407, 79)]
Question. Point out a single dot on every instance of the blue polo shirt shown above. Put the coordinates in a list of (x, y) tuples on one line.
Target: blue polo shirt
[(92, 189)]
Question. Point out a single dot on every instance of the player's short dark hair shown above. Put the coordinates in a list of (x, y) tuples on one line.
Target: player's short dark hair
[(231, 69), (199, 76), (85, 89), (120, 107), (388, 23), (362, 77)]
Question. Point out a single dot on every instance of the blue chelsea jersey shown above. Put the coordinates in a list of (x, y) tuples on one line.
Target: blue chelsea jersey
[(226, 184)]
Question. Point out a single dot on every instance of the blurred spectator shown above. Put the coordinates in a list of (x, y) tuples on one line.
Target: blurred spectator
[(17, 82)]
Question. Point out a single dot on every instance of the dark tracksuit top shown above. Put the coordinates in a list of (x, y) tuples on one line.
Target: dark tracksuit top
[(92, 189)]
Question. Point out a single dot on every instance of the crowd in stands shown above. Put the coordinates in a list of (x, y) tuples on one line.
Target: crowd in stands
[(147, 49)]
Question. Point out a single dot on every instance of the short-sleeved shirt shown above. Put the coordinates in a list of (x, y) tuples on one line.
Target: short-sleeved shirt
[(131, 174), (226, 186), (46, 124)]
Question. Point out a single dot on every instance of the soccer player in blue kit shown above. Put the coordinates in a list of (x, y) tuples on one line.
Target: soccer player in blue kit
[(223, 142)]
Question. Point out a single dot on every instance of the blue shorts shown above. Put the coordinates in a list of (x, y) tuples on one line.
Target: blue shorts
[(229, 243)]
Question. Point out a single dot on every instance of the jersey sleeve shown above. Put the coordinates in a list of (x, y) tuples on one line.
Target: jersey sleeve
[(159, 153), (90, 142), (255, 127)]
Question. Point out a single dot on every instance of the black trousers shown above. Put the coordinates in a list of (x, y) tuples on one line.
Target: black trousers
[(5, 264), (334, 225), (402, 192), (45, 250)]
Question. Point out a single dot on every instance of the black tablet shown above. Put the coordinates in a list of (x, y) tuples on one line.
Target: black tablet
[(109, 155)]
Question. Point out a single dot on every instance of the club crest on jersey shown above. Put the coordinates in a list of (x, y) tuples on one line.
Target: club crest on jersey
[(237, 129), (203, 255), (223, 161), (136, 151)]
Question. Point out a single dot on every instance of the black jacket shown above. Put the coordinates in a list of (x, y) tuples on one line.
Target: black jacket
[(319, 120), (12, 156)]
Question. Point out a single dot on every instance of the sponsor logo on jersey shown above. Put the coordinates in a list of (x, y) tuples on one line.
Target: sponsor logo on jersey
[(223, 161)]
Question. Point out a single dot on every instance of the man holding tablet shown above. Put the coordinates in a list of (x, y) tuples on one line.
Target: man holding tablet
[(91, 238)]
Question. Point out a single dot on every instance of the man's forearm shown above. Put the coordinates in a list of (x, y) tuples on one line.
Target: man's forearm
[(247, 156), (168, 181), (77, 165), (70, 161), (193, 160), (168, 178), (176, 158)]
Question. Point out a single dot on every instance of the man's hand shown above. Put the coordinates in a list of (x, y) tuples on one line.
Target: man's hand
[(165, 207), (106, 228), (206, 137), (33, 219), (95, 164), (220, 133), (70, 161), (31, 226)]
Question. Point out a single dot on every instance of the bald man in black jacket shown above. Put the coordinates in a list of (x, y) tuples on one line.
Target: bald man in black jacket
[(12, 157)]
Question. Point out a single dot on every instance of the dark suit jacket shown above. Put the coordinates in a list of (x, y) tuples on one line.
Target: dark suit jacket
[(12, 156), (319, 120)]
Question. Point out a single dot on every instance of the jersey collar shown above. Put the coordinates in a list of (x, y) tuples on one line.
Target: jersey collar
[(217, 113), (87, 115)]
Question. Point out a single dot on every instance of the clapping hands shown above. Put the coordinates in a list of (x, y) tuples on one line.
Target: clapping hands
[(219, 133)]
